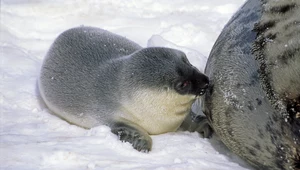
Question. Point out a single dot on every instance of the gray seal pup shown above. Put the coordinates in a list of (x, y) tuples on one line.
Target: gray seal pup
[(92, 77), (253, 101)]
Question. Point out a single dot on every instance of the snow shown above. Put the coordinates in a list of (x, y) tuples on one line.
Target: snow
[(32, 138)]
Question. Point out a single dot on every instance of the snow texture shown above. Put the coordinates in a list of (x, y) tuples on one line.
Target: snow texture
[(32, 138)]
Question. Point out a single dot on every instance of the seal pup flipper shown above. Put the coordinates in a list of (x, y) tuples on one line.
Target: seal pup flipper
[(197, 123), (134, 134), (203, 127)]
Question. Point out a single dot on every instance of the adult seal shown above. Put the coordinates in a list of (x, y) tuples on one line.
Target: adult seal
[(254, 70), (92, 77)]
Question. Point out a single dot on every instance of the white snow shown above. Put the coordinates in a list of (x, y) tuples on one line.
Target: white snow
[(32, 138)]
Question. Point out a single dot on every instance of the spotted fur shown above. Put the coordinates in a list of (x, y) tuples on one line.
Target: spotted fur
[(254, 70)]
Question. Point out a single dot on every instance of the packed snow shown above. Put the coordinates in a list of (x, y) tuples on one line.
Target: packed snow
[(32, 138)]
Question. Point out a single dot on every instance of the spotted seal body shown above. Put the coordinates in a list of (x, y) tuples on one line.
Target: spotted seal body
[(253, 102), (92, 77)]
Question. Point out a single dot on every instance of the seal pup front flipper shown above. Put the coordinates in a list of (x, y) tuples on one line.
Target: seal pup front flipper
[(130, 132), (197, 123)]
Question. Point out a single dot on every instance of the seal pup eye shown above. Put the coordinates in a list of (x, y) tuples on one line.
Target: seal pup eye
[(183, 87), (185, 84)]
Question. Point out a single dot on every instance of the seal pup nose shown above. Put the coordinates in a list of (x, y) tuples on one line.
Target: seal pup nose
[(203, 81), (206, 86), (203, 84)]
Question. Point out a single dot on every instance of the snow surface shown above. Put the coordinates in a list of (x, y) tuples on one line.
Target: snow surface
[(32, 138)]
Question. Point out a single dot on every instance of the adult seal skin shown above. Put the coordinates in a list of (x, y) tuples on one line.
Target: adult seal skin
[(92, 77), (253, 102)]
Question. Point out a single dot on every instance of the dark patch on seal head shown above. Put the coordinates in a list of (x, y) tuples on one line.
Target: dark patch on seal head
[(180, 75), (191, 81), (283, 9)]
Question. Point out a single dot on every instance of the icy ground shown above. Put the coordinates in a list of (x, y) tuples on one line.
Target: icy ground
[(31, 138)]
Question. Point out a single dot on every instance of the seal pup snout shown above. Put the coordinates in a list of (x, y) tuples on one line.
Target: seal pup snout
[(196, 83), (201, 82)]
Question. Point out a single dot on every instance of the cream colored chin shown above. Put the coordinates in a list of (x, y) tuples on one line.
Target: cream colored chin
[(157, 111)]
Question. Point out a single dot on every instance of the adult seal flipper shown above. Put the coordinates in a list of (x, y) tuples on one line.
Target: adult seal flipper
[(254, 70), (92, 77)]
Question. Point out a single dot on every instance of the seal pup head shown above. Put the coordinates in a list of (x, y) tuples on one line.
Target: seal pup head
[(165, 68)]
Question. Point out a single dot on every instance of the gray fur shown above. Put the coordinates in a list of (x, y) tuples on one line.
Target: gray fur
[(254, 80), (92, 77)]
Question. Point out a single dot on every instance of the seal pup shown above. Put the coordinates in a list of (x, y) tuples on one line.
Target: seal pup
[(253, 100), (92, 77)]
